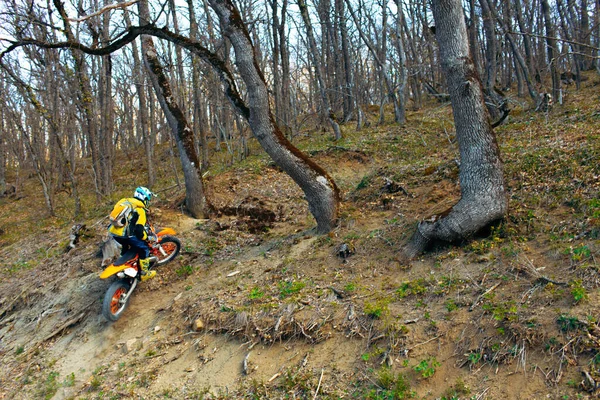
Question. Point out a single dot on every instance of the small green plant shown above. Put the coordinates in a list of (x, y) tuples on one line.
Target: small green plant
[(392, 386), (19, 350), (451, 305), (150, 353), (211, 246), (364, 182), (474, 357), (458, 391), (350, 287), (427, 367), (69, 380), (50, 386), (288, 288), (415, 287), (568, 323), (377, 309), (256, 294), (185, 270), (578, 291), (503, 311), (580, 252)]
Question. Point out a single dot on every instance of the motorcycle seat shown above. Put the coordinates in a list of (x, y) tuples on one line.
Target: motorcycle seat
[(129, 255)]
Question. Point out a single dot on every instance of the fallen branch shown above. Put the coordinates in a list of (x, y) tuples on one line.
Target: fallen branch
[(482, 295), (319, 385), (245, 364), (421, 344)]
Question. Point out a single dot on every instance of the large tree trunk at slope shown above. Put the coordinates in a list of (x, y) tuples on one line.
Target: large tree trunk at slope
[(195, 199), (483, 197), (321, 191)]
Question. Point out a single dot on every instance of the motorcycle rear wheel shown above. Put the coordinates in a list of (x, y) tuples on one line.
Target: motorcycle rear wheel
[(115, 300)]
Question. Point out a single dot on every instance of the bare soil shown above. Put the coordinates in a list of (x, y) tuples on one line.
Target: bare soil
[(286, 313)]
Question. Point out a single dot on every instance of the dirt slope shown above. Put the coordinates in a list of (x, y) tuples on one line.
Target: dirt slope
[(287, 314)]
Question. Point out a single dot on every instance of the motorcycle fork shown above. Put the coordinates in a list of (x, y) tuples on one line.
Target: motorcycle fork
[(131, 289)]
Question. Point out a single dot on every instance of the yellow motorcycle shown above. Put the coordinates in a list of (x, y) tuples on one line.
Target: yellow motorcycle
[(127, 269)]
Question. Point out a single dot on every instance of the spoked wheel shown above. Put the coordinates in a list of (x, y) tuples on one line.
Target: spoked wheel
[(166, 250), (115, 300)]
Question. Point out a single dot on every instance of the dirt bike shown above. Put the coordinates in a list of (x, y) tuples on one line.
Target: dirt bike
[(126, 268)]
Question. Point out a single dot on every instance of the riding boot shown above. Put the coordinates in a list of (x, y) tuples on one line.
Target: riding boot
[(146, 274)]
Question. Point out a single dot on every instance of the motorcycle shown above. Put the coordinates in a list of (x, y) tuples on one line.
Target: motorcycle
[(127, 269)]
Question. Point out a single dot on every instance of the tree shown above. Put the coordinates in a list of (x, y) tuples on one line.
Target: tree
[(483, 196), (552, 51), (320, 189), (382, 64), (319, 71), (195, 199)]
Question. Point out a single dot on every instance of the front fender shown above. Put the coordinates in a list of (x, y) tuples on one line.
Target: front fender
[(112, 269), (166, 231)]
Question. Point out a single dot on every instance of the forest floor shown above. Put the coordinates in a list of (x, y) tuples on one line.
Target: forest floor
[(289, 314)]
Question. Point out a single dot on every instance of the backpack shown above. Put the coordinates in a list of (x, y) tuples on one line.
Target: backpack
[(121, 214)]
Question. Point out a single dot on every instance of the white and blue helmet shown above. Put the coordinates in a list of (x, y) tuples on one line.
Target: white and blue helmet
[(143, 194)]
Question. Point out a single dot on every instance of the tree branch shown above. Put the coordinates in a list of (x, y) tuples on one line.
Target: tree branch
[(103, 10), (133, 32)]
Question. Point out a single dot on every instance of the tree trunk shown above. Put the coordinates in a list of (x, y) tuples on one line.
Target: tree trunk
[(199, 115), (319, 188), (348, 101), (517, 53), (143, 118), (86, 102), (319, 70), (399, 112), (195, 199), (401, 59), (552, 51), (2, 154), (483, 196)]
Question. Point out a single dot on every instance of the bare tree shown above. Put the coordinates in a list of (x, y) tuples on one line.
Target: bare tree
[(195, 199), (483, 195), (319, 70), (552, 51), (382, 64)]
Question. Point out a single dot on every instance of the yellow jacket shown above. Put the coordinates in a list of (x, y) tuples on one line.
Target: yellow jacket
[(138, 218)]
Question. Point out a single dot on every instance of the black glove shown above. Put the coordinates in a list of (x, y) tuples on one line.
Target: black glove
[(138, 231)]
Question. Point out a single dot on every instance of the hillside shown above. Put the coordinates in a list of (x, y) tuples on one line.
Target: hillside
[(289, 314)]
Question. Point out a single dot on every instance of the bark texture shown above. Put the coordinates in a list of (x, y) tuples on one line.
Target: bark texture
[(483, 197), (321, 191)]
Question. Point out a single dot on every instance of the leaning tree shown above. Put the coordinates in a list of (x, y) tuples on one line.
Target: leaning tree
[(321, 191), (483, 194)]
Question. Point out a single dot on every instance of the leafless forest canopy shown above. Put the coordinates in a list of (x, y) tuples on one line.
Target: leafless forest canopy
[(324, 63)]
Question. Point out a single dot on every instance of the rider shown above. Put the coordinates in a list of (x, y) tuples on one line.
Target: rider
[(133, 234)]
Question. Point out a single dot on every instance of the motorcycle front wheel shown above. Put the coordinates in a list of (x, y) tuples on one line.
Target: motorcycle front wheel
[(167, 250), (115, 300)]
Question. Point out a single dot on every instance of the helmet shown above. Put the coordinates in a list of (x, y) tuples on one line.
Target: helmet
[(144, 194)]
